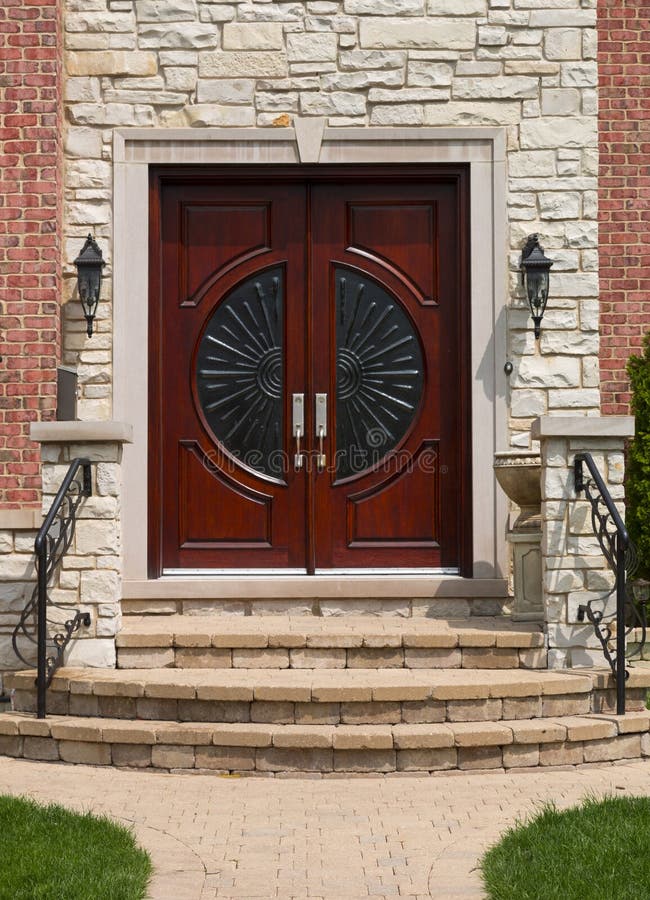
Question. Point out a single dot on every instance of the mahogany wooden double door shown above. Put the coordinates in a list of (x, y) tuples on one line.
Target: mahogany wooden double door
[(308, 379)]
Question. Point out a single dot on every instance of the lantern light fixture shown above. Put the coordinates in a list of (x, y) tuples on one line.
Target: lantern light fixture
[(89, 263), (535, 269)]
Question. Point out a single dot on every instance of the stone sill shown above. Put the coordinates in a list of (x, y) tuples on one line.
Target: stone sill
[(582, 427), (81, 432)]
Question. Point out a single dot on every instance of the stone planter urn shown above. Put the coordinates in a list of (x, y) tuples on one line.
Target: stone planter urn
[(518, 473)]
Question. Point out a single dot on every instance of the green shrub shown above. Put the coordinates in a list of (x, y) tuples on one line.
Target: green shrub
[(638, 461)]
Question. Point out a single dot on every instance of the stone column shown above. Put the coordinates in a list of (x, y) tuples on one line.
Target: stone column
[(574, 570), (91, 572)]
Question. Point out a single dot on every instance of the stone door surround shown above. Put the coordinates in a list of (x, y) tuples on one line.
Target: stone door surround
[(310, 141)]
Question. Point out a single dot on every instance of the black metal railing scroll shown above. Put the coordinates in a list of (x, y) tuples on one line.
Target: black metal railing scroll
[(52, 543), (620, 553)]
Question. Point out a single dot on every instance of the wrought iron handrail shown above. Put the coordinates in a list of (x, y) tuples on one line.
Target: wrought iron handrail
[(619, 551), (52, 542)]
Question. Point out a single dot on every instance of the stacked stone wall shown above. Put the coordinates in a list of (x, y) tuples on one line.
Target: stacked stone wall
[(526, 65), (624, 55), (30, 200)]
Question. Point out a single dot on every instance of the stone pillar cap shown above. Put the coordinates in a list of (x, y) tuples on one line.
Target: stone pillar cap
[(81, 432), (582, 427)]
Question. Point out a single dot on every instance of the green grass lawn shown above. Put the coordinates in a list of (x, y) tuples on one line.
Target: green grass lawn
[(599, 850), (49, 853)]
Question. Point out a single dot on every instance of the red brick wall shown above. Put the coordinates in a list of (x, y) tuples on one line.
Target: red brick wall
[(30, 214), (624, 63)]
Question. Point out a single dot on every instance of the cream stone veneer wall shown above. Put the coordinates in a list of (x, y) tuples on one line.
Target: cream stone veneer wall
[(526, 65), (522, 69)]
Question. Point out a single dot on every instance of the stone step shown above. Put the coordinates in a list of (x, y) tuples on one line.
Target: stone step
[(318, 607), (274, 748), (310, 642), (386, 594), (328, 696)]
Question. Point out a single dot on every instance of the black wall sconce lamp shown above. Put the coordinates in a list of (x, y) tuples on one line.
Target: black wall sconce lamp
[(89, 265), (535, 269)]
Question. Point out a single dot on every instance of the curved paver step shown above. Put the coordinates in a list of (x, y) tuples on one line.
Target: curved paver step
[(239, 747), (315, 631), (304, 685), (328, 696), (305, 642)]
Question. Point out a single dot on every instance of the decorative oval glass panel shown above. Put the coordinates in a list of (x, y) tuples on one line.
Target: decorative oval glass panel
[(379, 372), (240, 372)]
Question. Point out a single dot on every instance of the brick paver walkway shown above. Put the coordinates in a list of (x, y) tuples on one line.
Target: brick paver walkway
[(361, 837)]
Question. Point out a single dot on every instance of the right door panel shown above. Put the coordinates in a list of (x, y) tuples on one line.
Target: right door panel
[(387, 325)]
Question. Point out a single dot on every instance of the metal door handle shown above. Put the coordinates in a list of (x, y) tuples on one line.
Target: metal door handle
[(321, 429), (298, 425)]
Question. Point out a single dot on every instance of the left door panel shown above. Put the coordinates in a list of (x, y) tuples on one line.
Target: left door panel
[(228, 319)]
